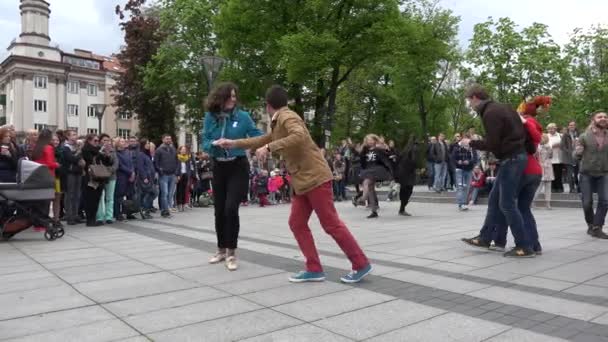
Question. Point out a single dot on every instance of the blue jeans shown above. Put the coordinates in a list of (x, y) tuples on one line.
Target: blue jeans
[(474, 194), (527, 190), (463, 182), (503, 210), (441, 170), (588, 185), (167, 183), (430, 173)]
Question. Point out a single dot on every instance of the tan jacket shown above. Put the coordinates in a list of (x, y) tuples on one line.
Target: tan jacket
[(290, 139)]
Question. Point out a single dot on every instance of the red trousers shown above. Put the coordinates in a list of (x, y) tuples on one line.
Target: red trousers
[(263, 198), (320, 200)]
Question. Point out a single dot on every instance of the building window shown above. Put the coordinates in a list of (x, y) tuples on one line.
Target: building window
[(92, 131), (40, 127), (72, 110), (91, 112), (124, 133), (40, 82), (92, 89), (124, 116), (73, 87), (40, 106)]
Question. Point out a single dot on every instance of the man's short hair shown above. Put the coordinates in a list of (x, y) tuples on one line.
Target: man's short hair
[(167, 135), (477, 91), (597, 112), (277, 97)]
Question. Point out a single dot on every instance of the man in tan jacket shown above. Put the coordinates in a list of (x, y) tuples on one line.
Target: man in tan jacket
[(312, 184)]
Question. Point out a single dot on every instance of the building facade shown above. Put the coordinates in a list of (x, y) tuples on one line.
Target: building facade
[(42, 86)]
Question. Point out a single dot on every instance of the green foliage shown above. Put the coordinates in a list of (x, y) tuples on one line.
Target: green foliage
[(143, 37)]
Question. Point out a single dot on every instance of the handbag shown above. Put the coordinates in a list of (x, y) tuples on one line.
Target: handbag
[(207, 175), (99, 172)]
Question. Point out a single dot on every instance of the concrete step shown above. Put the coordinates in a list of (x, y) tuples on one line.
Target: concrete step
[(564, 200)]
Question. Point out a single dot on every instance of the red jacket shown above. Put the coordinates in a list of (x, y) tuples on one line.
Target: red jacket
[(535, 131), (48, 159), (479, 183)]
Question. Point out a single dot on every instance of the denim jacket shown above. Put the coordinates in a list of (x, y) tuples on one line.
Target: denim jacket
[(237, 125)]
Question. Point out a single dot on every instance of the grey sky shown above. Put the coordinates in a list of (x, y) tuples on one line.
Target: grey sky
[(92, 24)]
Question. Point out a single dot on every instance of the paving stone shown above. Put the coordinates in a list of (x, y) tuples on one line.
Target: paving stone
[(316, 308), (189, 314), (293, 292), (84, 262), (588, 290), (116, 289), (551, 284), (100, 331), (375, 320), (439, 282), (584, 337), (217, 274), (300, 333), (507, 319), (32, 302), (557, 306), (542, 317), (164, 301), (491, 315), (52, 321), (448, 327), (521, 335), (543, 328), (21, 286), (231, 328), (564, 332), (118, 269)]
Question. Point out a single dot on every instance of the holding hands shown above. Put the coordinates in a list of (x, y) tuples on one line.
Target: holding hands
[(224, 143)]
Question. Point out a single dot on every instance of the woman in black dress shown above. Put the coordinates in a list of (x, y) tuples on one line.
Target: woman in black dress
[(406, 173), (376, 167)]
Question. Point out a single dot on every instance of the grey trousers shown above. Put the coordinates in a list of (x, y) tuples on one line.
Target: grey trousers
[(72, 196)]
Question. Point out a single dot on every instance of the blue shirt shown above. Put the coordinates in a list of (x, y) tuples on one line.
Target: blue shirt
[(237, 125)]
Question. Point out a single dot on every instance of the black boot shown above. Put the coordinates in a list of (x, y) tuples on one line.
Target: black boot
[(597, 232)]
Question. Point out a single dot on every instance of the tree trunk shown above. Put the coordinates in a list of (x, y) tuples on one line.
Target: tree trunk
[(331, 104), (317, 126), (422, 112), (296, 93)]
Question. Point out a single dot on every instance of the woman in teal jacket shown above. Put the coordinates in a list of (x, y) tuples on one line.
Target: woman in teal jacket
[(230, 167)]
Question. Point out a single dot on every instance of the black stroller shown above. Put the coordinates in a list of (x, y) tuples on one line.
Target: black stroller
[(25, 203)]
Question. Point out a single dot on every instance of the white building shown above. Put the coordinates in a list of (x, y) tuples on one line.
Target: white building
[(42, 86)]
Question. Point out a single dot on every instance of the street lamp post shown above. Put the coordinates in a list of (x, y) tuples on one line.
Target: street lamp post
[(99, 110), (212, 66)]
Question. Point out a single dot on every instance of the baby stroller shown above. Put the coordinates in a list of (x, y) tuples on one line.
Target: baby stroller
[(25, 203)]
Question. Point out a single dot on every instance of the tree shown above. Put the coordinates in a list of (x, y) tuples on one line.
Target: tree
[(588, 51), (143, 37), (424, 60), (516, 65), (176, 68)]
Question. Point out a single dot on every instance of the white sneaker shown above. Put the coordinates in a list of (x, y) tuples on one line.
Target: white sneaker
[(217, 258), (231, 264)]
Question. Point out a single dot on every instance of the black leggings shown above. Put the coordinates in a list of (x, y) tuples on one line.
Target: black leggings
[(558, 183), (91, 201), (230, 187), (180, 190), (404, 195)]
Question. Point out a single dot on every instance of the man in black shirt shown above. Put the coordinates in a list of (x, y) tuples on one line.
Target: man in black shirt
[(505, 138)]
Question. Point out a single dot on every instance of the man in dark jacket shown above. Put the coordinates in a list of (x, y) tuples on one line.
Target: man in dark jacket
[(430, 162), (165, 162), (73, 167), (464, 158), (440, 154), (505, 138), (568, 156)]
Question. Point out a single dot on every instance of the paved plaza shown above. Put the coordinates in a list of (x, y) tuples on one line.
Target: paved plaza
[(149, 280)]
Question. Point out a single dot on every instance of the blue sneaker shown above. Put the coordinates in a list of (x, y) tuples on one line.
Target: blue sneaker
[(357, 276), (306, 276)]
